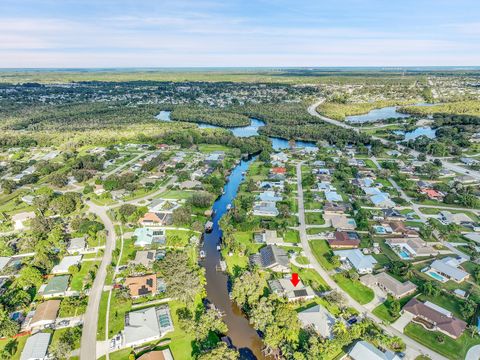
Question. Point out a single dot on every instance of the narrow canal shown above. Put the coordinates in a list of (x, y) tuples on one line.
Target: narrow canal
[(243, 336)]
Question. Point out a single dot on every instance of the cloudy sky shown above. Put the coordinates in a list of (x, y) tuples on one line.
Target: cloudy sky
[(186, 33)]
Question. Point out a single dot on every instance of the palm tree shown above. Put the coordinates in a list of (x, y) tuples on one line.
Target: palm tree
[(473, 329), (339, 328)]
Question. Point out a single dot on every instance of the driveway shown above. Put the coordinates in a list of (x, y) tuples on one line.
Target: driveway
[(473, 353), (402, 321)]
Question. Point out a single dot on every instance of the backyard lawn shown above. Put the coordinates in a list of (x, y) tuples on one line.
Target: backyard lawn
[(176, 194), (453, 349), (20, 344), (178, 238), (355, 289)]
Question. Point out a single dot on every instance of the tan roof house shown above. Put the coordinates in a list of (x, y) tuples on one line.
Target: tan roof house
[(389, 284), (45, 314)]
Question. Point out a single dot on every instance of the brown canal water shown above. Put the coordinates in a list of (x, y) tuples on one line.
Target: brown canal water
[(244, 337)]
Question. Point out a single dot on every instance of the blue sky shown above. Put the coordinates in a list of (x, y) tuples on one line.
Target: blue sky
[(184, 33)]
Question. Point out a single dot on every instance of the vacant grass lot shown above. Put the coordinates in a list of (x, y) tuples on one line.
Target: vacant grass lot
[(314, 218), (322, 252), (355, 289), (79, 278), (453, 349)]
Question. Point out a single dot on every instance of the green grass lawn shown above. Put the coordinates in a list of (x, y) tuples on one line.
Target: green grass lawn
[(208, 148), (246, 238), (78, 279), (58, 333), (450, 348), (178, 238), (20, 344), (291, 236), (313, 205), (312, 278), (383, 313), (176, 194), (314, 218), (355, 289), (302, 260), (322, 251), (102, 313), (315, 231)]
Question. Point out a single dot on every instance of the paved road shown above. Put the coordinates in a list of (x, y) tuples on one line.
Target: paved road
[(89, 333), (473, 353), (413, 348), (312, 109)]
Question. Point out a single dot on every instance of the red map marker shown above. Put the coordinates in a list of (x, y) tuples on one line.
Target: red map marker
[(295, 279)]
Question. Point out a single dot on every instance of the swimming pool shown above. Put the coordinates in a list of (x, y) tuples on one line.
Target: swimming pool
[(436, 276), (404, 255)]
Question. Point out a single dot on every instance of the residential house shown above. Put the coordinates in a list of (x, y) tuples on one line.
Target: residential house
[(77, 245), (57, 286), (336, 207), (399, 228), (157, 355), (215, 157), (389, 284), (340, 221), (147, 325), (392, 215), (145, 258), (382, 200), (435, 318), (319, 319), (147, 236), (65, 263), (344, 239), (278, 170), (272, 258), (36, 347), (267, 185), (280, 157), (285, 288), (469, 161), (45, 315), (364, 264), (363, 350), (326, 186), (141, 285), (409, 248), (333, 196), (454, 218), (269, 196), (156, 219), (432, 194), (449, 268), (268, 237), (265, 208)]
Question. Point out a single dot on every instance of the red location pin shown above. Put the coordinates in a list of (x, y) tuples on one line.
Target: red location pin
[(295, 279)]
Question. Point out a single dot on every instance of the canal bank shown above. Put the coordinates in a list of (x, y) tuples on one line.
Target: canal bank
[(243, 335)]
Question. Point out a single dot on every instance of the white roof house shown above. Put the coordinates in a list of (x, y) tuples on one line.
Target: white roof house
[(147, 325), (319, 319), (77, 245), (362, 263), (364, 350), (65, 263), (449, 267), (36, 347), (382, 200)]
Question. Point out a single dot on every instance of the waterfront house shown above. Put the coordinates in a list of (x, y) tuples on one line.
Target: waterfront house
[(284, 288), (271, 257), (319, 319), (147, 325)]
